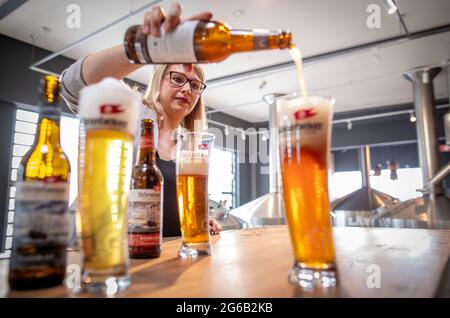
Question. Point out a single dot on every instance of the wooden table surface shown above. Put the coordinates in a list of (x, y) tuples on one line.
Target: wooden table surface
[(255, 263)]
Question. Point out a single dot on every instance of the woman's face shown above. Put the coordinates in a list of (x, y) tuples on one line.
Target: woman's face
[(178, 101)]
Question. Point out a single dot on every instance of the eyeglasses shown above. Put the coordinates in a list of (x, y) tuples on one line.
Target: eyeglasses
[(179, 80)]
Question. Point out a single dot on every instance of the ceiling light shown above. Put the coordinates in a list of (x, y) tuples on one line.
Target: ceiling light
[(34, 38), (376, 55), (238, 13), (46, 29), (262, 84), (264, 136), (391, 6), (412, 117)]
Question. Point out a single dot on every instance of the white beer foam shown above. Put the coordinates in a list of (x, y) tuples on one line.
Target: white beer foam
[(189, 168), (114, 92), (320, 109)]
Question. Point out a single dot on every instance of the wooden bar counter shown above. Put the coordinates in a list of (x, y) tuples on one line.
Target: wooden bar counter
[(256, 262)]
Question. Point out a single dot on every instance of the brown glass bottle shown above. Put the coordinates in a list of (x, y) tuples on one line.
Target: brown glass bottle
[(200, 42), (41, 220), (145, 201)]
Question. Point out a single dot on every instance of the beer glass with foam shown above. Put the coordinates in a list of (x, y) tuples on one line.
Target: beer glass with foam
[(108, 123), (193, 153), (305, 136)]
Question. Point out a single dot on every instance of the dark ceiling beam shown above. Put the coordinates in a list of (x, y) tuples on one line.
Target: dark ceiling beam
[(9, 6)]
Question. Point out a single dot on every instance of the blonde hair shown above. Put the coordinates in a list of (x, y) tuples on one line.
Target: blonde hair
[(195, 120)]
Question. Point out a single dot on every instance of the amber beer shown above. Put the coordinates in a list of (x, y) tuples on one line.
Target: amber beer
[(305, 133), (108, 112), (193, 154)]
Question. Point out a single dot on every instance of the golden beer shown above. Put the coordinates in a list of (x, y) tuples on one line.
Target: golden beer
[(192, 194), (105, 169), (108, 112), (305, 133), (41, 221)]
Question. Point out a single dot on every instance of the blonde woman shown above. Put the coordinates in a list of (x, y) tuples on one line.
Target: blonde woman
[(173, 98)]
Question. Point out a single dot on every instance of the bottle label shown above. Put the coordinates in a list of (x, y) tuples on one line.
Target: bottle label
[(144, 217), (144, 239), (261, 40), (306, 123), (41, 224), (139, 54), (110, 117), (109, 105), (174, 47)]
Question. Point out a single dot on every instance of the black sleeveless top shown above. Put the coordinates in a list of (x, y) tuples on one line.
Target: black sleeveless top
[(171, 222)]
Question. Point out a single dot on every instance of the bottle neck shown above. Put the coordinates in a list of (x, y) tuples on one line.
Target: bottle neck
[(48, 125), (253, 40), (146, 152)]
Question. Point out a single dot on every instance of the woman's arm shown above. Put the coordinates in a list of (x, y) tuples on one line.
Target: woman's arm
[(114, 62), (111, 62)]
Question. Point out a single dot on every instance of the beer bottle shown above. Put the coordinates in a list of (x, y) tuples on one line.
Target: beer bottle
[(199, 42), (145, 199), (41, 220)]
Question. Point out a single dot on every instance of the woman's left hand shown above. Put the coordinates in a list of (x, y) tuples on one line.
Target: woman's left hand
[(214, 227), (156, 17)]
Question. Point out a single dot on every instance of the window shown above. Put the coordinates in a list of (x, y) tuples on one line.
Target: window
[(343, 183), (69, 143), (222, 178), (24, 134), (403, 188)]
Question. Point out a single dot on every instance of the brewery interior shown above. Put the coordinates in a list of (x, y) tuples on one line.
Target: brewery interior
[(387, 64)]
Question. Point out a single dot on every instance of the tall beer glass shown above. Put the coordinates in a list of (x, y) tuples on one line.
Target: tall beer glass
[(193, 153), (108, 122), (305, 135)]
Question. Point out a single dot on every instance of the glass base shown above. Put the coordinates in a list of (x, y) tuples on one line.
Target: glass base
[(194, 250), (312, 278), (101, 283)]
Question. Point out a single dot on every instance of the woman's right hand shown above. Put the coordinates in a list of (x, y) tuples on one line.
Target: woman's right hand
[(155, 18)]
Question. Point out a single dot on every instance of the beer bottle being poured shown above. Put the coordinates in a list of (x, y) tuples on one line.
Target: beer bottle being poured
[(199, 42)]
